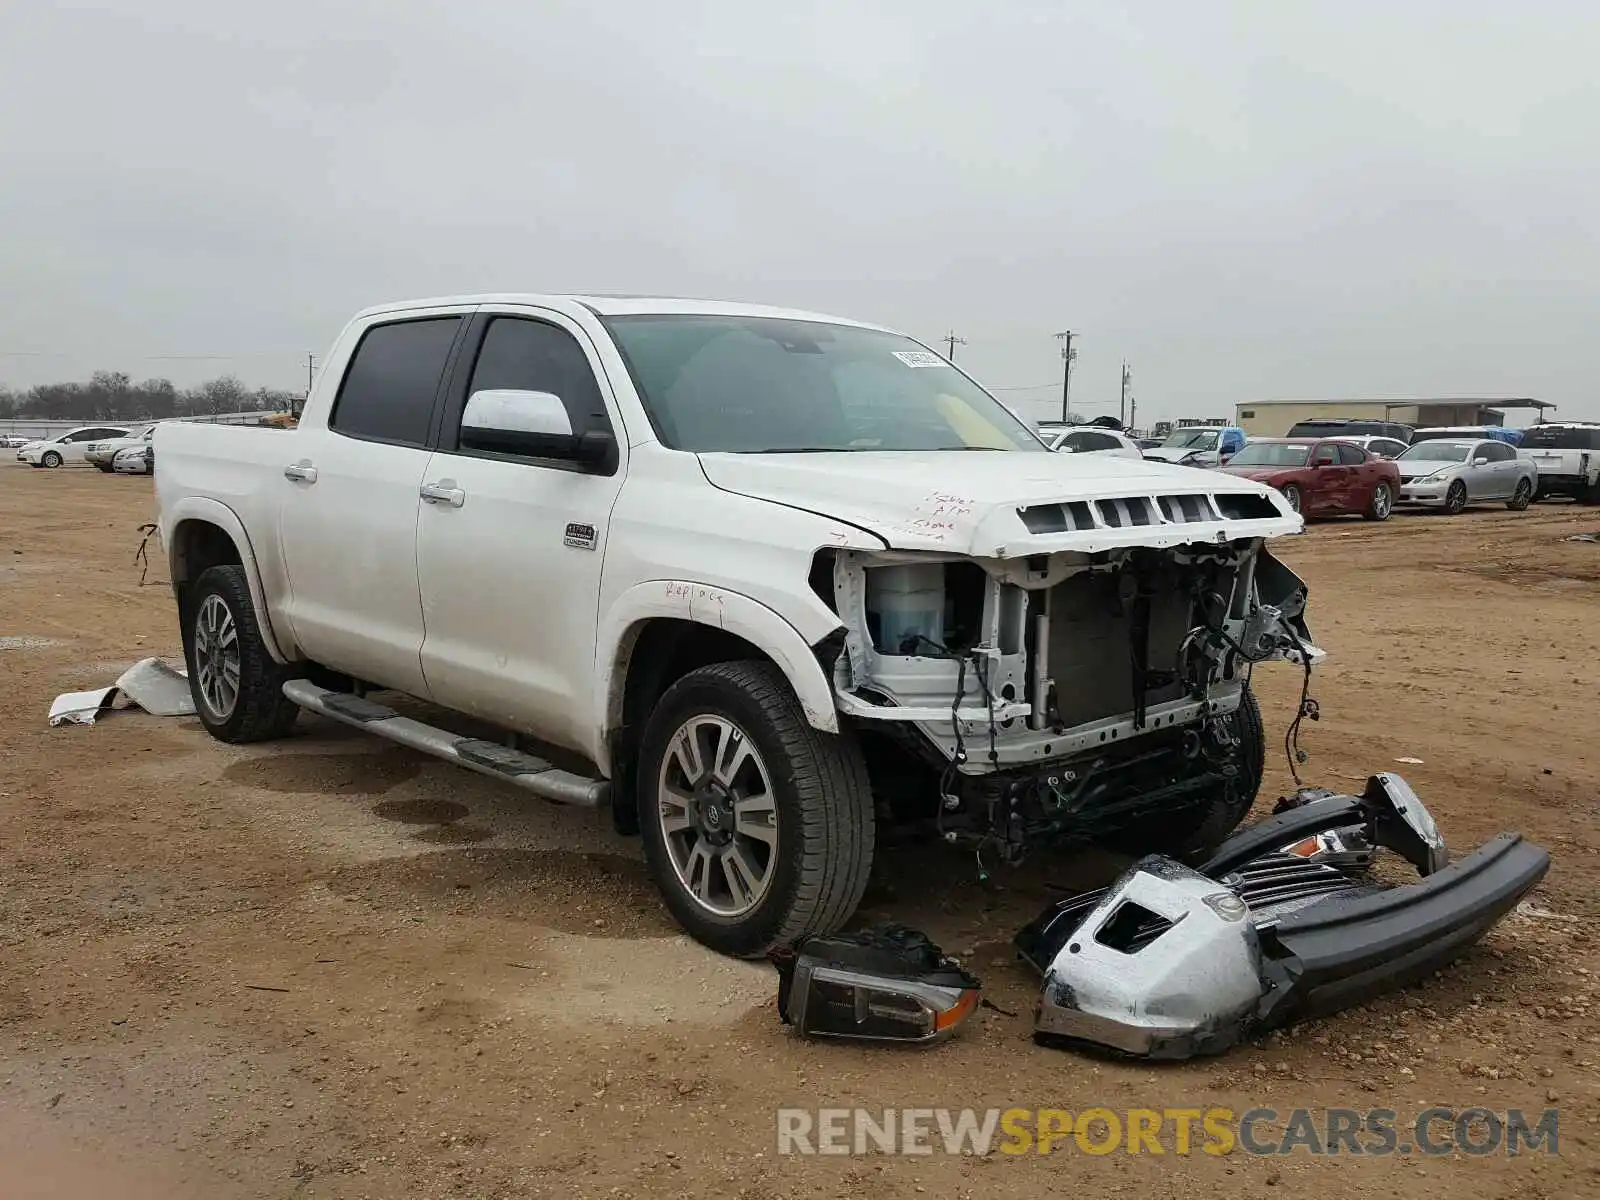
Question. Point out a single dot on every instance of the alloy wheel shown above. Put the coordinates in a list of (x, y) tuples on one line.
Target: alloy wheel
[(216, 657), (718, 815)]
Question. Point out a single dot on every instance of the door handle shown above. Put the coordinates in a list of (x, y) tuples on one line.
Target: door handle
[(301, 472), (443, 492)]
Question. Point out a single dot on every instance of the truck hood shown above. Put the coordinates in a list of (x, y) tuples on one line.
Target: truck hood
[(1000, 504)]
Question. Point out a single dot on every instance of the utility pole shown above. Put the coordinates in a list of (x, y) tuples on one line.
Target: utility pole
[(1068, 354), (950, 339), (311, 366), (1127, 382)]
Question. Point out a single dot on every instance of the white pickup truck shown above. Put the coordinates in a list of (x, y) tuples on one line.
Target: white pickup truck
[(758, 581)]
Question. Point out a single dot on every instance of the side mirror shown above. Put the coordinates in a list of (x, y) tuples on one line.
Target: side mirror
[(511, 421), (1480, 462)]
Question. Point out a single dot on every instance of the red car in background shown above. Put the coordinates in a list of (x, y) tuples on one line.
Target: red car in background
[(1321, 478)]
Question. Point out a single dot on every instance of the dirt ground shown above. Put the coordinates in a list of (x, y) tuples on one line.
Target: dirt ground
[(331, 967)]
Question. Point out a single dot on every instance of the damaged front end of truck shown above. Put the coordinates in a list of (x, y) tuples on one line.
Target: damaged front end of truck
[(1069, 670)]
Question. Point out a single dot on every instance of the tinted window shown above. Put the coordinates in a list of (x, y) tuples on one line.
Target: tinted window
[(1386, 447), (531, 356), (1325, 456), (388, 391), (1554, 437), (1350, 455), (1087, 440), (1496, 452)]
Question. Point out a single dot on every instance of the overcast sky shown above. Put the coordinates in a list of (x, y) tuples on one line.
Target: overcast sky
[(1245, 200)]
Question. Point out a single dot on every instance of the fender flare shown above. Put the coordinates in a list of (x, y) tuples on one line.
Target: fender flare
[(214, 512), (722, 609)]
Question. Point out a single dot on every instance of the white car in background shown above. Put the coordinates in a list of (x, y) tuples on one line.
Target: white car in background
[(1093, 440), (136, 459), (67, 447), (102, 454), (13, 441), (1382, 447)]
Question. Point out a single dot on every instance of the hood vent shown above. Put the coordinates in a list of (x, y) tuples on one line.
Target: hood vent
[(1125, 512)]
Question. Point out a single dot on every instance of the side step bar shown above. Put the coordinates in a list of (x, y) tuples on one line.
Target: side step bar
[(487, 758)]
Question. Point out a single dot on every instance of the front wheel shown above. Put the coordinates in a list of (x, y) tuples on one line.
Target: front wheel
[(105, 466), (1382, 504), (50, 459), (1455, 498), (757, 828), (236, 684), (1522, 497), (1291, 493)]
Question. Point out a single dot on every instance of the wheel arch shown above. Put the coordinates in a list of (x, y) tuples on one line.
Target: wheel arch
[(660, 631), (202, 533)]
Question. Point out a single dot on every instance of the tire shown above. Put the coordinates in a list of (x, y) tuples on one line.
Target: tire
[(1455, 498), (1590, 494), (218, 603), (106, 467), (50, 459), (1382, 504), (1291, 493), (813, 869), (1205, 826), (1522, 497)]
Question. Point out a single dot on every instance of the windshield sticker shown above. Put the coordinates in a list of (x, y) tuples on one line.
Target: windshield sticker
[(919, 358)]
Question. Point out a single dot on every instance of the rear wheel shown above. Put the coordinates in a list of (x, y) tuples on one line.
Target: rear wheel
[(1455, 498), (1382, 504), (1522, 497), (236, 684), (758, 828), (50, 459), (1591, 494), (1197, 830)]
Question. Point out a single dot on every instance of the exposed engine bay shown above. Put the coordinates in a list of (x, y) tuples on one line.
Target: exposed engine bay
[(1069, 695), (1282, 923)]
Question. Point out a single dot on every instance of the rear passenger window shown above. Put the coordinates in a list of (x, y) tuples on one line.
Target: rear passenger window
[(1351, 455), (389, 389), (532, 356)]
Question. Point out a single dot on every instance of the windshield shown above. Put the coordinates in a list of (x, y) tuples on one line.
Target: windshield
[(747, 385), (1437, 452), (1192, 439), (1271, 454)]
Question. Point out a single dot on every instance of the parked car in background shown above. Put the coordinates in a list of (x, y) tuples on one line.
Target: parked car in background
[(13, 441), (1383, 447), (1512, 437), (1326, 478), (1341, 427), (1093, 441), (138, 459), (67, 447), (1199, 446), (101, 454), (1567, 457), (1452, 473)]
